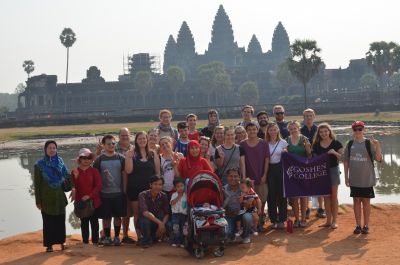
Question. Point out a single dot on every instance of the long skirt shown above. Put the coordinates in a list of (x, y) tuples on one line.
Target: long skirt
[(53, 229)]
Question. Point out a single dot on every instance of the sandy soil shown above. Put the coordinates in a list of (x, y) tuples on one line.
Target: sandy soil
[(312, 245)]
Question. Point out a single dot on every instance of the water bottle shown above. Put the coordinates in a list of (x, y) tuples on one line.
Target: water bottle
[(289, 226)]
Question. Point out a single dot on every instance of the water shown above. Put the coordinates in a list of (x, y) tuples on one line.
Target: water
[(18, 213)]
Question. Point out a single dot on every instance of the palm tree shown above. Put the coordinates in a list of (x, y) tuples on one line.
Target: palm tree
[(143, 81), (29, 66), (176, 79), (304, 62), (384, 58), (67, 38)]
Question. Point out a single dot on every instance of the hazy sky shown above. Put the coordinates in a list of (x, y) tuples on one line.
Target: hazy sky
[(106, 29)]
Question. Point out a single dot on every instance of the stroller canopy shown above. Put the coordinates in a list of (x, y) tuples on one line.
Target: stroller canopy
[(205, 187)]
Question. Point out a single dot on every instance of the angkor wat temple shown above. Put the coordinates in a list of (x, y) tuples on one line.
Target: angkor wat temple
[(46, 99)]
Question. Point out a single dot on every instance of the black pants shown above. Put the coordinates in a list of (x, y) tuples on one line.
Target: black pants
[(53, 229), (94, 225), (275, 197)]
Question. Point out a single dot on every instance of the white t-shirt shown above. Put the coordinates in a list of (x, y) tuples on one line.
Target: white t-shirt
[(181, 205), (276, 155), (168, 173)]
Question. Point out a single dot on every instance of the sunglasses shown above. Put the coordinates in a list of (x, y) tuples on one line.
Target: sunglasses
[(110, 143), (86, 157), (358, 129), (279, 113)]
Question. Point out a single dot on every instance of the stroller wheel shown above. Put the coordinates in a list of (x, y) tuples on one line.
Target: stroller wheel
[(199, 253), (219, 252)]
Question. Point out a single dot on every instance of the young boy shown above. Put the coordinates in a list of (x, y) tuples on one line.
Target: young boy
[(358, 160), (250, 203), (191, 120), (179, 212), (183, 140)]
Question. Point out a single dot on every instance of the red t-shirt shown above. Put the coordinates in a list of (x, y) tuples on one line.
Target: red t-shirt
[(195, 136), (189, 172), (88, 183)]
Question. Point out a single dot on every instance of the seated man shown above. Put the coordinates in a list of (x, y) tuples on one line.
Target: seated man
[(153, 212), (232, 207)]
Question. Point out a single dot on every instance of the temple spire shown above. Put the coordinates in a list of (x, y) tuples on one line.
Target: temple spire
[(170, 53), (254, 47), (185, 41), (280, 42)]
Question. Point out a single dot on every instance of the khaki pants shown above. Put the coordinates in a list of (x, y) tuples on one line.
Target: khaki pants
[(262, 191)]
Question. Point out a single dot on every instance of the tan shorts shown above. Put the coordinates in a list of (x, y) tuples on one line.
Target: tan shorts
[(262, 191)]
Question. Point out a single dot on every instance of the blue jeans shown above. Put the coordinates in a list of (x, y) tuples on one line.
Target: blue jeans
[(178, 221), (247, 223), (148, 230)]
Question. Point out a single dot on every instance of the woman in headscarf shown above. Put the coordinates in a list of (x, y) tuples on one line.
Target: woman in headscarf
[(52, 180), (191, 164), (213, 121)]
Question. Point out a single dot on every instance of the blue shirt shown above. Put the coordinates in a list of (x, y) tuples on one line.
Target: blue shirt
[(181, 147), (309, 133)]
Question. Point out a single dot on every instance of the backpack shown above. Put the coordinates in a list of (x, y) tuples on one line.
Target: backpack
[(367, 145)]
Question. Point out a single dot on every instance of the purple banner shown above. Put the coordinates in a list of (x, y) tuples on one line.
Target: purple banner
[(305, 177)]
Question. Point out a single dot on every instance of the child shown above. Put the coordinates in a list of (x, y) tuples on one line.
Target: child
[(169, 161), (358, 160), (191, 120), (250, 203), (87, 182), (179, 212), (183, 140)]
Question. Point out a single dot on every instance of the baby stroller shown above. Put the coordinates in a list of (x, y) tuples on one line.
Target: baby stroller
[(207, 224)]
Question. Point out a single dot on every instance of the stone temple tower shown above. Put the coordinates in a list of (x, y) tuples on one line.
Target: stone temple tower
[(280, 43), (170, 53)]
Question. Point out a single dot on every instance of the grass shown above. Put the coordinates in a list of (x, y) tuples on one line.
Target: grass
[(10, 134)]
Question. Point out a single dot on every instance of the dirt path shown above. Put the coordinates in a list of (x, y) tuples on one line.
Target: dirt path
[(312, 245)]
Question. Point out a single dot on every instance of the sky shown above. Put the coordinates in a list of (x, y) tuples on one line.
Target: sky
[(106, 30)]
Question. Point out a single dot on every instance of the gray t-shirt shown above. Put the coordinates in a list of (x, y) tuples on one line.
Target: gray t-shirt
[(361, 170), (234, 154), (110, 168), (231, 201)]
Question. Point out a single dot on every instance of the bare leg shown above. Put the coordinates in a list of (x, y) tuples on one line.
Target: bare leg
[(366, 202), (334, 203), (295, 206), (125, 226), (321, 202), (135, 207), (357, 210), (327, 202), (303, 207)]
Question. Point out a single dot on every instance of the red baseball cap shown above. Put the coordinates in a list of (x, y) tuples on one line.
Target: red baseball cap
[(358, 124)]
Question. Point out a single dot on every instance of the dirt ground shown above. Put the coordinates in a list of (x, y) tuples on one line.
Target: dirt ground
[(312, 245)]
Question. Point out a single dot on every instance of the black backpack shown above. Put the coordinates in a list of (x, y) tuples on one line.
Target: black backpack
[(367, 145)]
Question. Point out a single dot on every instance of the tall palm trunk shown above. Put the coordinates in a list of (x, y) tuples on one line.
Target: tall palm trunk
[(305, 95), (66, 76)]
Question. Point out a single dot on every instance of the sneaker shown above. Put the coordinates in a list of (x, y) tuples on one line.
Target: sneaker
[(239, 232), (321, 213), (365, 230), (334, 225), (101, 241), (296, 224), (280, 225), (308, 211), (246, 240), (49, 249), (107, 241), (274, 226), (182, 245), (303, 224), (128, 240), (174, 245), (358, 230), (255, 233), (117, 242)]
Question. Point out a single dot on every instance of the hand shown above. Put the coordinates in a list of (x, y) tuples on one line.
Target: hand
[(72, 195), (160, 230), (130, 153), (375, 142), (331, 151), (264, 179), (39, 206), (284, 150), (86, 197), (175, 159), (75, 173), (99, 147), (307, 144), (259, 212), (221, 153)]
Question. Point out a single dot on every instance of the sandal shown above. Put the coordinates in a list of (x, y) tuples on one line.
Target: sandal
[(334, 225), (325, 225), (358, 230)]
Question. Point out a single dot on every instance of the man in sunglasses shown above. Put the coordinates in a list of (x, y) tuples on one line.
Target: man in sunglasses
[(279, 113), (111, 166)]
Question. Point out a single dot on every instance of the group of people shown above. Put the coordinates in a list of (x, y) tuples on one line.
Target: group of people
[(147, 178)]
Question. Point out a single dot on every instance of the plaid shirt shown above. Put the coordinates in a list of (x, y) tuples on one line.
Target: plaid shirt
[(159, 207)]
